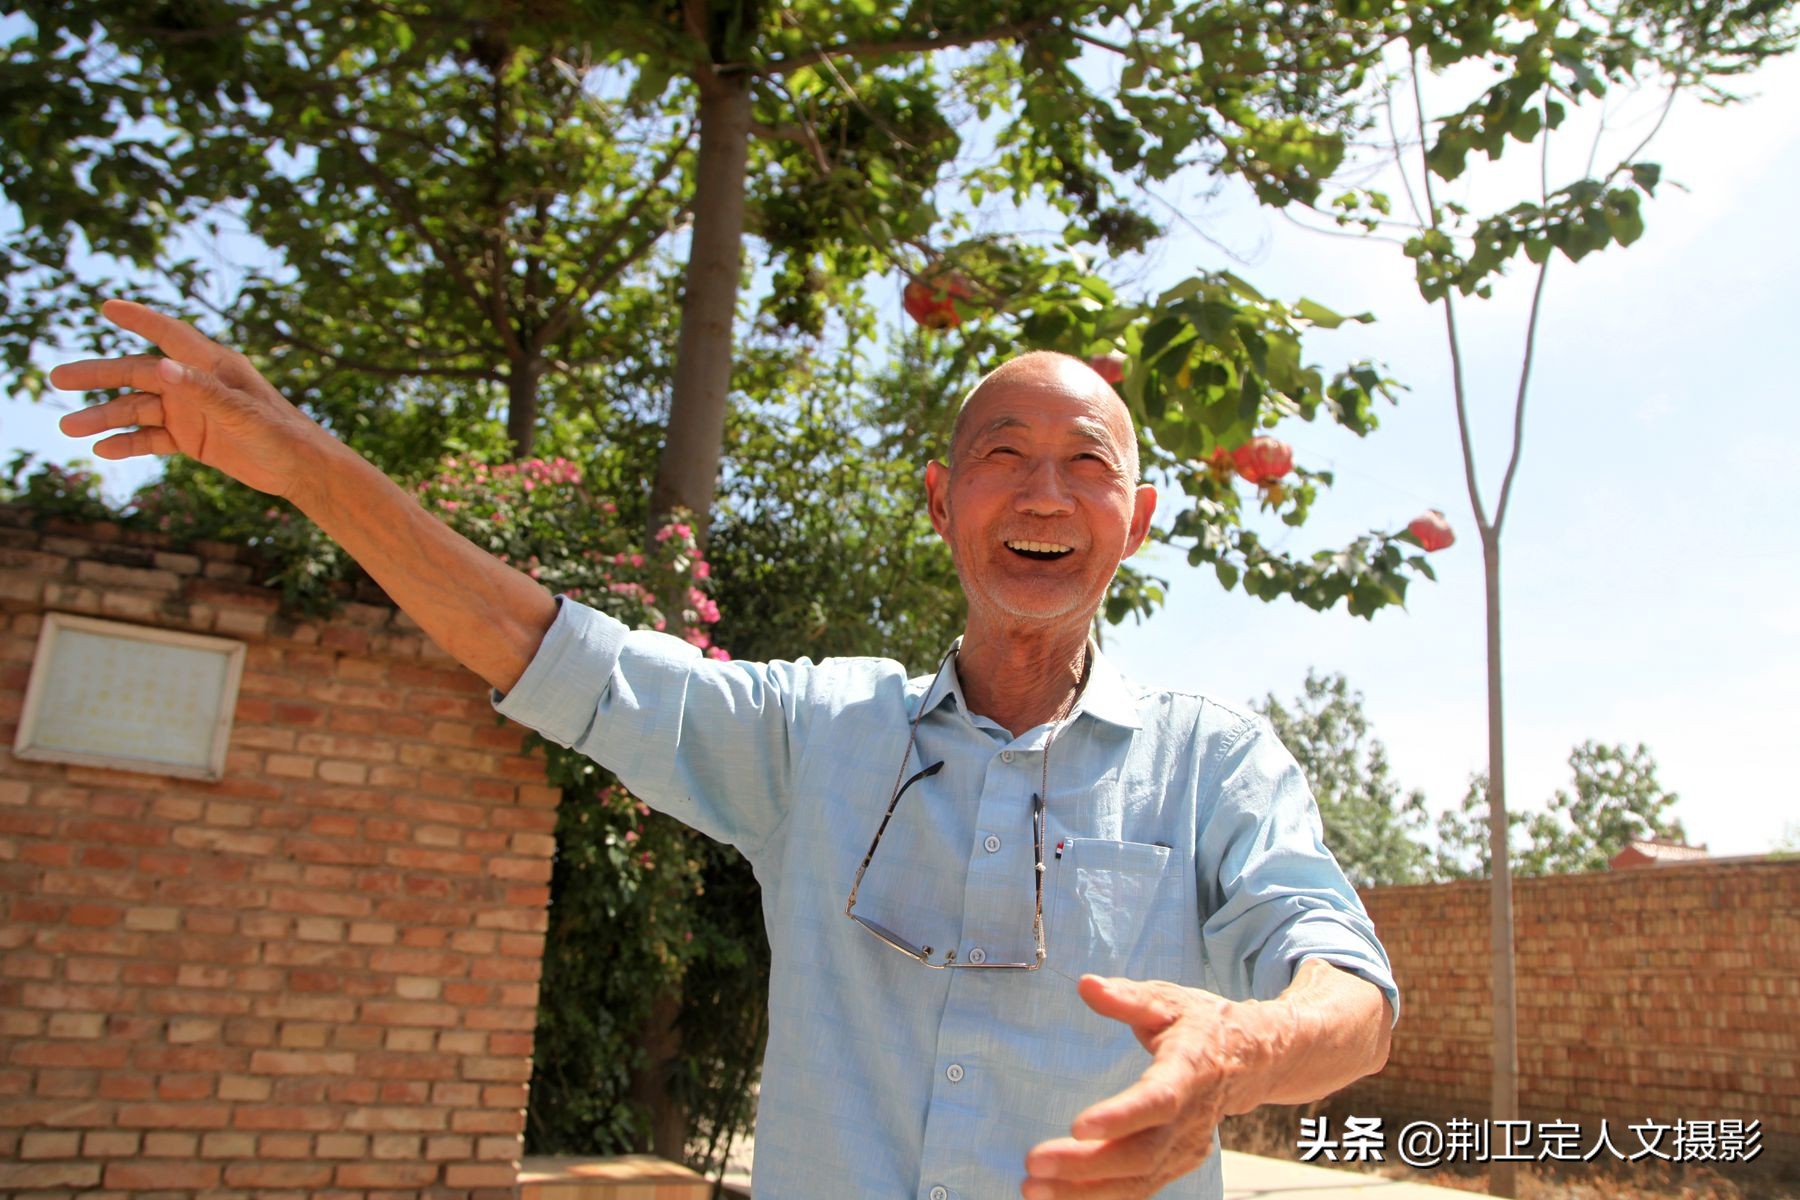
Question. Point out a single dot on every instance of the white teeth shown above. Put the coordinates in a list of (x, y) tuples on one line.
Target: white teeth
[(1040, 547)]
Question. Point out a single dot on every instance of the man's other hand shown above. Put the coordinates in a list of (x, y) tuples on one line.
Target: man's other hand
[(202, 400), (1207, 1055), (1209, 1058)]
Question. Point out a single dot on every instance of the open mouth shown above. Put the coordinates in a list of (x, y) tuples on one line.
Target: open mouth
[(1040, 551)]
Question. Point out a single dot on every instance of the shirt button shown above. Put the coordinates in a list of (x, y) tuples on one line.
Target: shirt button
[(991, 843), (1006, 756), (940, 1193), (976, 956), (954, 1072)]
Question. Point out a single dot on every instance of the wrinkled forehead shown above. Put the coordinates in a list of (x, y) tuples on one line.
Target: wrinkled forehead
[(1052, 399)]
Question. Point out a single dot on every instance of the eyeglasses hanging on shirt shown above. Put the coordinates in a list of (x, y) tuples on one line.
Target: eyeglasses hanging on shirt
[(925, 953)]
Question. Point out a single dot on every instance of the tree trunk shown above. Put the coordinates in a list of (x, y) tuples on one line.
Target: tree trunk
[(667, 1132), (1502, 1176), (522, 406), (688, 473)]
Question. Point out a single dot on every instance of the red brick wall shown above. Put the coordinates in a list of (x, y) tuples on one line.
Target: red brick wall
[(1664, 993), (315, 977)]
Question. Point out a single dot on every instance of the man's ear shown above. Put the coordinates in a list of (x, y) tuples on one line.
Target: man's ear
[(1142, 510), (937, 496)]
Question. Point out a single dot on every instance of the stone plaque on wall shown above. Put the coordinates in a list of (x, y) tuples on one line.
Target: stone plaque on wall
[(128, 697)]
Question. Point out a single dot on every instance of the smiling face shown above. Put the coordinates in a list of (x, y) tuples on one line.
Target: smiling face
[(1039, 502)]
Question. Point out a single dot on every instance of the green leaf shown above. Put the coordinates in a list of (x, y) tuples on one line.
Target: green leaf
[(1321, 316)]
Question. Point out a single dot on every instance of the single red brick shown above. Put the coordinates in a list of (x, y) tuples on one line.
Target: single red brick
[(506, 1148), (106, 1056), (404, 1092), (273, 1175), (76, 1025), (448, 1146), (285, 900), (110, 1143), (485, 1120), (410, 1014), (162, 1175), (285, 1118), (46, 854), (166, 1144), (386, 1175), (299, 1062), (48, 1175), (516, 969), (174, 1116), (40, 1144)]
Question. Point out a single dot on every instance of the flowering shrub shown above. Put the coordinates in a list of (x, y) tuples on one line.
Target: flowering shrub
[(536, 515), (53, 490)]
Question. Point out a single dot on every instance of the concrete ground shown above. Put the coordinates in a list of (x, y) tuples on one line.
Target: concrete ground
[(1250, 1177)]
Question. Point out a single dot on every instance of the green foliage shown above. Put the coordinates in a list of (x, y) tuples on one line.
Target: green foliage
[(821, 544), (474, 213), (1372, 827), (51, 490), (1462, 835), (1615, 799), (1543, 60)]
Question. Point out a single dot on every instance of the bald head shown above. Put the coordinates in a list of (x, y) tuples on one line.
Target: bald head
[(1052, 370)]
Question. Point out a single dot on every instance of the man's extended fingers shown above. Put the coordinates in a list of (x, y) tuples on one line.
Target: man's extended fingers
[(138, 442), (178, 339), (131, 409), (104, 374), (1155, 1099), (1147, 1007), (1116, 1158)]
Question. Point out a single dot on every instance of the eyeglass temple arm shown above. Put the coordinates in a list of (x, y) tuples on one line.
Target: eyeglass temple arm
[(925, 773), (1037, 837)]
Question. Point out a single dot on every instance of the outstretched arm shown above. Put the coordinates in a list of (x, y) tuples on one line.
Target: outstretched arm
[(1209, 1058), (209, 403)]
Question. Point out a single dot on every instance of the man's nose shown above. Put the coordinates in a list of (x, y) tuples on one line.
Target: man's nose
[(1044, 492)]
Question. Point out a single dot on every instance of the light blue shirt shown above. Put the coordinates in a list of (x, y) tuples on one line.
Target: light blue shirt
[(1182, 844)]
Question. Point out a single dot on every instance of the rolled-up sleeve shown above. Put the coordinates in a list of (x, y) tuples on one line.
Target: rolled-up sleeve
[(710, 743), (1276, 895)]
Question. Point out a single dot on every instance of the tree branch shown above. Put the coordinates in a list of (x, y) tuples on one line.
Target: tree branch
[(1456, 364), (496, 234), (605, 272), (409, 212), (887, 49), (380, 369)]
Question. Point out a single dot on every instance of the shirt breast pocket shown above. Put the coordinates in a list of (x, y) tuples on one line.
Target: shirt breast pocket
[(1117, 909)]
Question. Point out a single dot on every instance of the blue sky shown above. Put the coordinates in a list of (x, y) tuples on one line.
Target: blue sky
[(1651, 590)]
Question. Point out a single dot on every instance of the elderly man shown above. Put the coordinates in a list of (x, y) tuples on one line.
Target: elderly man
[(1035, 930)]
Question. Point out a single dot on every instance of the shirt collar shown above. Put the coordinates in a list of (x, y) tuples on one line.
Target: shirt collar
[(1108, 696)]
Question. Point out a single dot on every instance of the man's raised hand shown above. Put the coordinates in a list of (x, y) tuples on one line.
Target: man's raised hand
[(202, 400), (1207, 1055)]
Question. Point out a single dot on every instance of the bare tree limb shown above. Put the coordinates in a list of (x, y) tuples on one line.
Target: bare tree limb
[(896, 46), (605, 271), (409, 212), (1456, 363)]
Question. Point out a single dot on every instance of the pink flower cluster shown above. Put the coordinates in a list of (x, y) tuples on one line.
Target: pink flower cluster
[(561, 536)]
